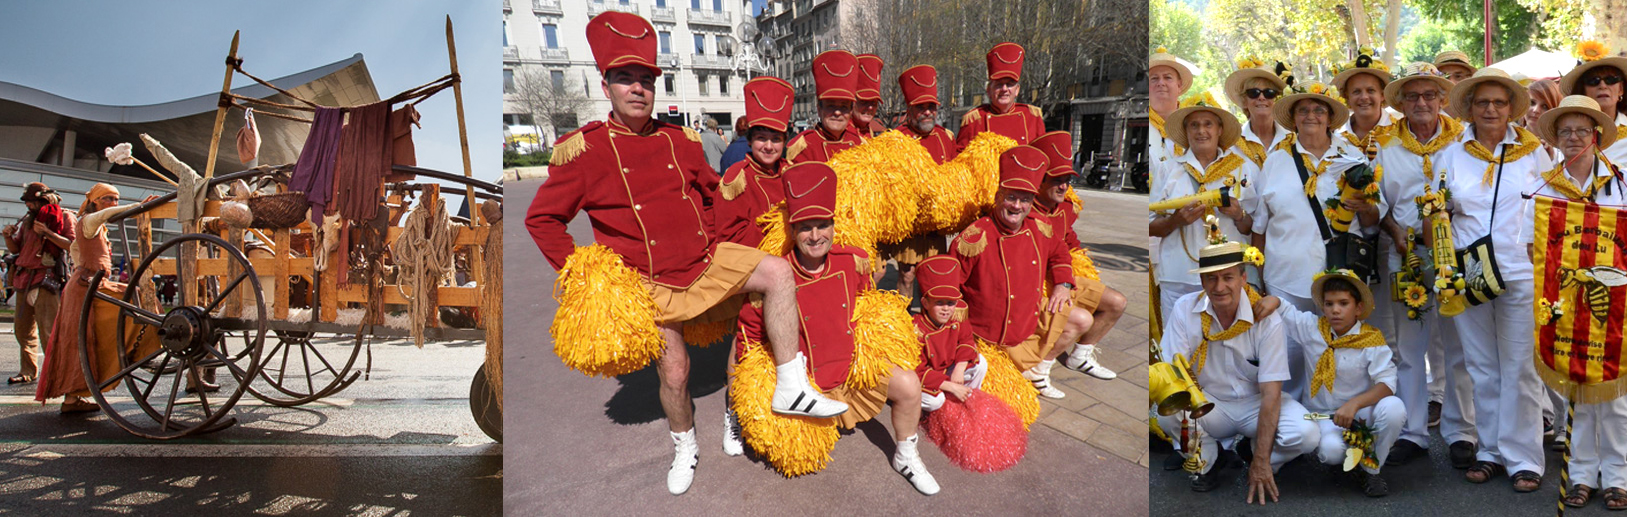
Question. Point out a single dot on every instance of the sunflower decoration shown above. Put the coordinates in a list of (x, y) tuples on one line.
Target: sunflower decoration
[(1161, 50), (1359, 440), (1415, 297), (1321, 88), (1252, 255), (1250, 62), (1549, 312), (1591, 50), (1205, 99)]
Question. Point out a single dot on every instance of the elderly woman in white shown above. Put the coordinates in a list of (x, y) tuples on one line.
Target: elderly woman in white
[(1603, 79), (1210, 162), (1486, 175), (1291, 222)]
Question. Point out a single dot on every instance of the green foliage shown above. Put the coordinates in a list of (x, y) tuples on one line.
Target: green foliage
[(1430, 38), (1516, 26), (1178, 27), (513, 158)]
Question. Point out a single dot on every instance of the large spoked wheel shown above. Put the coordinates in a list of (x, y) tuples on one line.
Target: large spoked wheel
[(483, 404), (297, 370), (168, 362)]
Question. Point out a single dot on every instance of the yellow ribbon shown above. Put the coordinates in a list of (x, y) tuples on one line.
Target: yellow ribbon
[(1315, 172), (1326, 370), (1201, 354), (1528, 144)]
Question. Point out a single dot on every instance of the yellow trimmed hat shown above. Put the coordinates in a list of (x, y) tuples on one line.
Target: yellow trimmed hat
[(1593, 55), (1455, 57), (1364, 63), (1221, 253), (1415, 72), (1175, 125), (1162, 57), (1283, 110), (1249, 69)]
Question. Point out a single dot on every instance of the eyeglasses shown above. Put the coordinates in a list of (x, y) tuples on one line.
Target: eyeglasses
[(1255, 93), (1608, 80), (1314, 110), (1415, 97), (1579, 134), (1488, 103)]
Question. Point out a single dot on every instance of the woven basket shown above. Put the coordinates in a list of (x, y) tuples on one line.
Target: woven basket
[(274, 211)]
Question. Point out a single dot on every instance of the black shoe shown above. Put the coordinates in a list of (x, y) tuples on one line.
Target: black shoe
[(1404, 451), (1244, 450), (1434, 413), (1173, 461), (1206, 482), (1462, 454), (1229, 459), (1372, 484)]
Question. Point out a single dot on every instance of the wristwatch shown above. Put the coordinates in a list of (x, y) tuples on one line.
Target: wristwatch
[(1068, 285)]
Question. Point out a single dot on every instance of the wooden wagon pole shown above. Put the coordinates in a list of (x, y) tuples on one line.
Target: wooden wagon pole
[(220, 111), (463, 130), (187, 266)]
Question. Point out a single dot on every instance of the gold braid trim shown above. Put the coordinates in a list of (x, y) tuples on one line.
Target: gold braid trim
[(568, 149), (1201, 354), (1326, 370), (733, 188), (796, 148), (976, 114), (692, 135), (971, 242), (1035, 110), (1557, 179), (1528, 143)]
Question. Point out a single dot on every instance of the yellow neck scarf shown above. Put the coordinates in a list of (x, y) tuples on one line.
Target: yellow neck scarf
[(1448, 133), (1221, 168), (1528, 143), (1326, 370), (1315, 169), (1563, 183), (1201, 354), (1158, 123)]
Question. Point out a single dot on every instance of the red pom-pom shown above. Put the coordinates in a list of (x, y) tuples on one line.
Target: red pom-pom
[(982, 434)]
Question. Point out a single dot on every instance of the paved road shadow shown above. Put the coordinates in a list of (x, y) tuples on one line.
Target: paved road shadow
[(638, 399)]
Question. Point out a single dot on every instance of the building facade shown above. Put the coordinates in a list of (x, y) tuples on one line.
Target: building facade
[(700, 52)]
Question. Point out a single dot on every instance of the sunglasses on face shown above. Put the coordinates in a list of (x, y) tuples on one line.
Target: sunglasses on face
[(1608, 80), (1256, 93)]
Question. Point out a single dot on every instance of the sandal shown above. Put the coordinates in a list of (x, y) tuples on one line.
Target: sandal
[(78, 406), (1483, 471), (1527, 481), (1578, 496), (1615, 499), (20, 379)]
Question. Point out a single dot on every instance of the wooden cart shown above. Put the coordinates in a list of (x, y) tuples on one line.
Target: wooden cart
[(246, 311)]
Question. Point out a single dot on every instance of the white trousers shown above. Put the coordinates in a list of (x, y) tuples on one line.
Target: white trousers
[(1599, 444), (1416, 343), (1386, 418), (973, 380), (1497, 347), (1231, 418), (1299, 379)]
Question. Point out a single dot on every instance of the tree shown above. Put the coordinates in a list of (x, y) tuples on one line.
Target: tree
[(1430, 38), (557, 104), (1515, 27), (1310, 35), (1178, 27)]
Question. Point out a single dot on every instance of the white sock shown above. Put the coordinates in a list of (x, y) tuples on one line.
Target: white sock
[(794, 370), (1044, 367)]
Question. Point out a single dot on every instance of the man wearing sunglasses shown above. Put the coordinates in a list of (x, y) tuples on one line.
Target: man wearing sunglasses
[(1255, 89), (1412, 162), (1602, 79)]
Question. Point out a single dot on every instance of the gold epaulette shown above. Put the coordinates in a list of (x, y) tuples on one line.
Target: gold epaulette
[(692, 135), (861, 264), (970, 243), (568, 149), (1036, 111), (796, 148), (971, 116), (732, 188), (1044, 227)]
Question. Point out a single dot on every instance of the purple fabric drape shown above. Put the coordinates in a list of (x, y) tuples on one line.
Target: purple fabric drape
[(313, 173)]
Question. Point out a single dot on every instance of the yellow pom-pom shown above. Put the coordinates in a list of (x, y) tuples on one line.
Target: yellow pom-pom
[(878, 189), (1083, 266), (794, 445), (703, 334), (776, 237), (1006, 383), (1079, 204), (883, 337), (606, 320)]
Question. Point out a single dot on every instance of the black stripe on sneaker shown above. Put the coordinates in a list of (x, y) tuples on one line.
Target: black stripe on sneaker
[(794, 403), (811, 403)]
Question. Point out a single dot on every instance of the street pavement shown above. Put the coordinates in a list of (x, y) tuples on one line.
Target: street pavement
[(400, 443), (578, 445)]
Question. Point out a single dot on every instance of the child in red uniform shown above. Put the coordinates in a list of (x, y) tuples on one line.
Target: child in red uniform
[(949, 360)]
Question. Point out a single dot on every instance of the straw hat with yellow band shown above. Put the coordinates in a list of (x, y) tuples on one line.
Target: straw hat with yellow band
[(1283, 110), (1175, 126), (1454, 58), (1361, 288), (1593, 55), (1415, 72), (1364, 63), (1162, 57), (1249, 69), (1519, 98), (1548, 124)]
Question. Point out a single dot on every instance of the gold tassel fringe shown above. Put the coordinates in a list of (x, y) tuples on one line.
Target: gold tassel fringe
[(877, 188), (605, 325), (1006, 383), (1078, 204), (1083, 266), (776, 236), (1598, 393), (794, 445), (703, 334), (883, 337), (568, 149)]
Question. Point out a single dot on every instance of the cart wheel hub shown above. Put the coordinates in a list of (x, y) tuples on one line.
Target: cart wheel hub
[(185, 331)]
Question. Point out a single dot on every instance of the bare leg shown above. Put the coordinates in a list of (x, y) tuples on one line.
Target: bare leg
[(1107, 314), (673, 368), (773, 280), (1079, 321), (904, 390)]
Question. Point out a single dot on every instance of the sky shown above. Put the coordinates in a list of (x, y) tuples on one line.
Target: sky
[(146, 52)]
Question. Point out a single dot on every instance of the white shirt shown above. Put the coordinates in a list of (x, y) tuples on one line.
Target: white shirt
[(1356, 370), (1617, 152), (1159, 150), (1176, 250), (1471, 203), (1403, 182), (1294, 250), (1610, 195), (1248, 135), (1235, 368)]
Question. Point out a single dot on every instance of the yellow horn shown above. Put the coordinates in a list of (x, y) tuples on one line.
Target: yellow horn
[(1221, 197), (1171, 387)]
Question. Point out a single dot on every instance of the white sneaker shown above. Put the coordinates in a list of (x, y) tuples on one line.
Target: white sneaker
[(685, 457), (907, 461), (1083, 359), (731, 437), (1042, 383), (793, 395)]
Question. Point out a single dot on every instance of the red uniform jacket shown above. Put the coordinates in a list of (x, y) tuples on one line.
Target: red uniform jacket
[(645, 193), (825, 300), (748, 190), (1005, 276), (938, 143), (1023, 123), (1062, 218), (941, 348), (814, 146)]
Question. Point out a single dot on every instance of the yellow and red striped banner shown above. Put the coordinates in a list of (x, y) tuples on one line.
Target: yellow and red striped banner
[(1581, 268)]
